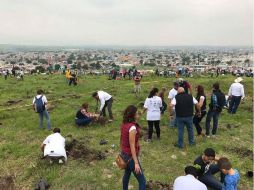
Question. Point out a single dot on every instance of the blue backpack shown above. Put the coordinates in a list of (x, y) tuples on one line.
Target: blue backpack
[(39, 105)]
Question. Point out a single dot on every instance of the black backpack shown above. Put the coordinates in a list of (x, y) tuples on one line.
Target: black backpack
[(221, 100), (39, 105)]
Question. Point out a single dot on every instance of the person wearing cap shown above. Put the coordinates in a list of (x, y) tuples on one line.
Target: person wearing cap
[(236, 94), (186, 85)]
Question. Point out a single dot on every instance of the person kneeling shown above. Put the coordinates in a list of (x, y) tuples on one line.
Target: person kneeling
[(83, 117), (54, 147)]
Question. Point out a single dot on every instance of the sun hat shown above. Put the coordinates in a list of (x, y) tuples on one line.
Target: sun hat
[(239, 79)]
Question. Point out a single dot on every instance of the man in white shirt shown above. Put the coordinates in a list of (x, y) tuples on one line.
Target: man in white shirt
[(236, 94), (171, 95), (184, 104), (39, 105), (54, 146), (189, 181), (106, 100)]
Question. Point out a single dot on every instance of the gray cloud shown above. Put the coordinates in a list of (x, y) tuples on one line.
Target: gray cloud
[(126, 22)]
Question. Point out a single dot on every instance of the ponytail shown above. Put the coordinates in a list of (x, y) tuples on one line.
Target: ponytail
[(153, 92)]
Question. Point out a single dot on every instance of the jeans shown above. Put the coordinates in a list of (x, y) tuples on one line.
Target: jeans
[(46, 114), (181, 122), (156, 124), (83, 122), (209, 180), (108, 104), (215, 115), (127, 174), (197, 120), (234, 103), (173, 122)]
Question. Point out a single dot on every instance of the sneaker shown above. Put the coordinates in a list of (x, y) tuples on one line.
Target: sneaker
[(207, 136), (60, 161), (148, 140), (213, 136), (177, 146), (110, 120)]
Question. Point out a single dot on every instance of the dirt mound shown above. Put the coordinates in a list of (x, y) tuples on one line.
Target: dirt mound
[(11, 102), (77, 149), (7, 183), (240, 151), (150, 185), (101, 121)]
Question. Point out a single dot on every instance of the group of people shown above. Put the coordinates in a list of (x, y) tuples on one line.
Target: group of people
[(16, 74), (182, 108), (181, 111)]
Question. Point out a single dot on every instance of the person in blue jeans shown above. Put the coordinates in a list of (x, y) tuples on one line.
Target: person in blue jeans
[(218, 101), (43, 110), (207, 168), (83, 117), (184, 104), (232, 175), (130, 148)]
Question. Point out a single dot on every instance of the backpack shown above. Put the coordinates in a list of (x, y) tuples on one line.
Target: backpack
[(218, 102), (39, 105)]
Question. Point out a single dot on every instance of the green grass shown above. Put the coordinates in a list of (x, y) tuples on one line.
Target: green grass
[(20, 137)]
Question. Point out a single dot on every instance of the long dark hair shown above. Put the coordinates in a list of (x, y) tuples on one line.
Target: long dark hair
[(153, 92), (129, 114), (201, 91)]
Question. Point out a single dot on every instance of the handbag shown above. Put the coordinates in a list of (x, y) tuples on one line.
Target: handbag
[(121, 162)]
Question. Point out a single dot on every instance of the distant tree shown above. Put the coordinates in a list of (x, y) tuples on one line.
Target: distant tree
[(246, 61), (43, 61), (95, 65), (28, 61), (79, 66), (57, 67), (40, 68), (16, 68), (74, 66), (85, 67), (13, 62)]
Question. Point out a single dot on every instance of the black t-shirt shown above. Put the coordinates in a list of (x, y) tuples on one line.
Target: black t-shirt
[(201, 166)]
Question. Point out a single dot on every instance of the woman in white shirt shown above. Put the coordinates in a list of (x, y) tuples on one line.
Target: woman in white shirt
[(152, 105)]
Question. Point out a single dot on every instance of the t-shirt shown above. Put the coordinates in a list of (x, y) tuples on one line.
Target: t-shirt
[(231, 181), (55, 145), (188, 182), (132, 128), (44, 99), (153, 106), (173, 102), (103, 96), (171, 95), (201, 166)]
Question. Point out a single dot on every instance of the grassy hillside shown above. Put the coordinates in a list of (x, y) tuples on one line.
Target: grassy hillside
[(20, 137)]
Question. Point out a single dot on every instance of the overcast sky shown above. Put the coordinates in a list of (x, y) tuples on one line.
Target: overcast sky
[(126, 22)]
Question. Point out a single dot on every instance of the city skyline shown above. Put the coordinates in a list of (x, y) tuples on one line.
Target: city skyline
[(122, 23)]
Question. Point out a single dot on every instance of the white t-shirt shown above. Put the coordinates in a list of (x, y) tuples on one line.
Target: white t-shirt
[(44, 99), (55, 145), (153, 106), (172, 93), (173, 102), (132, 128), (103, 96), (188, 182)]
